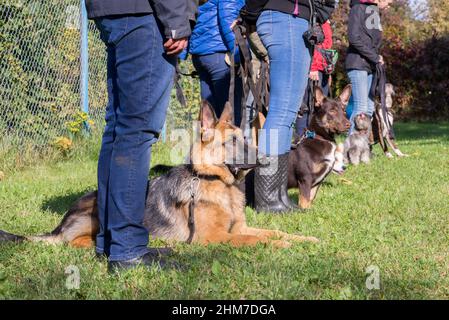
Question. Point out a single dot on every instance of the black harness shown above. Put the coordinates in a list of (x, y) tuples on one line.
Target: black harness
[(194, 191)]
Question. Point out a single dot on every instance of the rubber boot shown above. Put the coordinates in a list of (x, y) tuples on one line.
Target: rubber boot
[(283, 170), (270, 185)]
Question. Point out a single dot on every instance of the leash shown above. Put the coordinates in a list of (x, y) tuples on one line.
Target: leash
[(179, 92), (194, 188), (259, 90)]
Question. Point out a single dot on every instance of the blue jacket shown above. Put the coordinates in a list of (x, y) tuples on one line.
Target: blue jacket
[(212, 32)]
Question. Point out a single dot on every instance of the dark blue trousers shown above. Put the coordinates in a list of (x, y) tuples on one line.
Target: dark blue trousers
[(140, 78), (215, 77)]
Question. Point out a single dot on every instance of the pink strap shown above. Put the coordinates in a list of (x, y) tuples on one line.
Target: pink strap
[(296, 12)]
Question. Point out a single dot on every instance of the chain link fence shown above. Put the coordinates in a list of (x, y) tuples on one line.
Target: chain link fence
[(40, 98), (40, 70)]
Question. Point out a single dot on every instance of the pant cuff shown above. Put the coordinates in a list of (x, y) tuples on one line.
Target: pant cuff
[(129, 256)]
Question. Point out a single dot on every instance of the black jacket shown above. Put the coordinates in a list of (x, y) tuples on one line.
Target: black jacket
[(175, 15), (252, 9), (365, 36)]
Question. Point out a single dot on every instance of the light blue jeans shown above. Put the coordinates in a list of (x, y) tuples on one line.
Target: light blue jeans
[(360, 100), (282, 35)]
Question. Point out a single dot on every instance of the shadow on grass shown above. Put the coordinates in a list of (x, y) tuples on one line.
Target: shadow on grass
[(317, 273), (60, 204), (216, 271), (419, 131)]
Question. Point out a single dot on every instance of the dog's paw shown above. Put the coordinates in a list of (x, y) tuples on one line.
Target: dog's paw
[(400, 154), (297, 238), (281, 244), (389, 155)]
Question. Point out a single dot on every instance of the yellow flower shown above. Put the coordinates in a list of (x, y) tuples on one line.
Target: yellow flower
[(63, 143)]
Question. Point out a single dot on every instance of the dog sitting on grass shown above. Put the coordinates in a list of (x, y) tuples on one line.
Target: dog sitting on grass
[(313, 157), (357, 146)]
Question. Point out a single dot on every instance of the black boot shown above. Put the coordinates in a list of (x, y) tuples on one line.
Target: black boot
[(283, 171), (153, 258), (270, 185)]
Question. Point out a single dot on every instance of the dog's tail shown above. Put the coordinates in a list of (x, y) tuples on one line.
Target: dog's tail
[(79, 226), (9, 237), (51, 238)]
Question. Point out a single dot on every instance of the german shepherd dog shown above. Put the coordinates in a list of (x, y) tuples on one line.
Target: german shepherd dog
[(313, 158), (208, 188)]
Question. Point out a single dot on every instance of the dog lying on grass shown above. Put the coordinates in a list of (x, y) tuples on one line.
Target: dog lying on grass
[(199, 202), (313, 158)]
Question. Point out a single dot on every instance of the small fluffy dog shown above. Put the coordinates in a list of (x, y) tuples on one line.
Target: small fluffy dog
[(356, 146)]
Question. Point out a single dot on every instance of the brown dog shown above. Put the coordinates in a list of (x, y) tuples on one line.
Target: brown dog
[(314, 155), (199, 202)]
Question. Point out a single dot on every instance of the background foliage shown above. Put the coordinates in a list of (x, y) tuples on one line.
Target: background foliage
[(416, 54), (40, 82), (40, 70)]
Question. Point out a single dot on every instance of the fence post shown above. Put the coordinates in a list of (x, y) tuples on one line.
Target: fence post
[(84, 61)]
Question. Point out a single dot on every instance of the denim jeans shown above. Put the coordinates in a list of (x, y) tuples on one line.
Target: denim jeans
[(140, 78), (282, 35), (360, 99), (303, 122), (215, 77)]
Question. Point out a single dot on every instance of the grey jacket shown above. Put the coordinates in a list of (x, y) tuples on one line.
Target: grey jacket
[(175, 15), (365, 36)]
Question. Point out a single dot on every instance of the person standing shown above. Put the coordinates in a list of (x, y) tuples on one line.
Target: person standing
[(142, 39), (365, 40), (317, 74), (281, 25), (211, 44)]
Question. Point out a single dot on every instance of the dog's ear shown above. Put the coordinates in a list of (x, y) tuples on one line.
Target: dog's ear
[(389, 88), (345, 96), (228, 113), (319, 97), (208, 120)]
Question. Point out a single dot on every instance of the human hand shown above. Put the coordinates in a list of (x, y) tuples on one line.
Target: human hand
[(381, 60), (175, 46), (234, 23), (314, 75)]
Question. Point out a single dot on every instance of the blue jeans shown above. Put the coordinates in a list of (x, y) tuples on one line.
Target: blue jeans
[(360, 100), (303, 122), (140, 78), (215, 77), (281, 34)]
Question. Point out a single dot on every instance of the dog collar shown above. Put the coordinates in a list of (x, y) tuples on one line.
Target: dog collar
[(310, 134)]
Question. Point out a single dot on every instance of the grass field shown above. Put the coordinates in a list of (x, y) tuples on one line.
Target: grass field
[(391, 214)]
